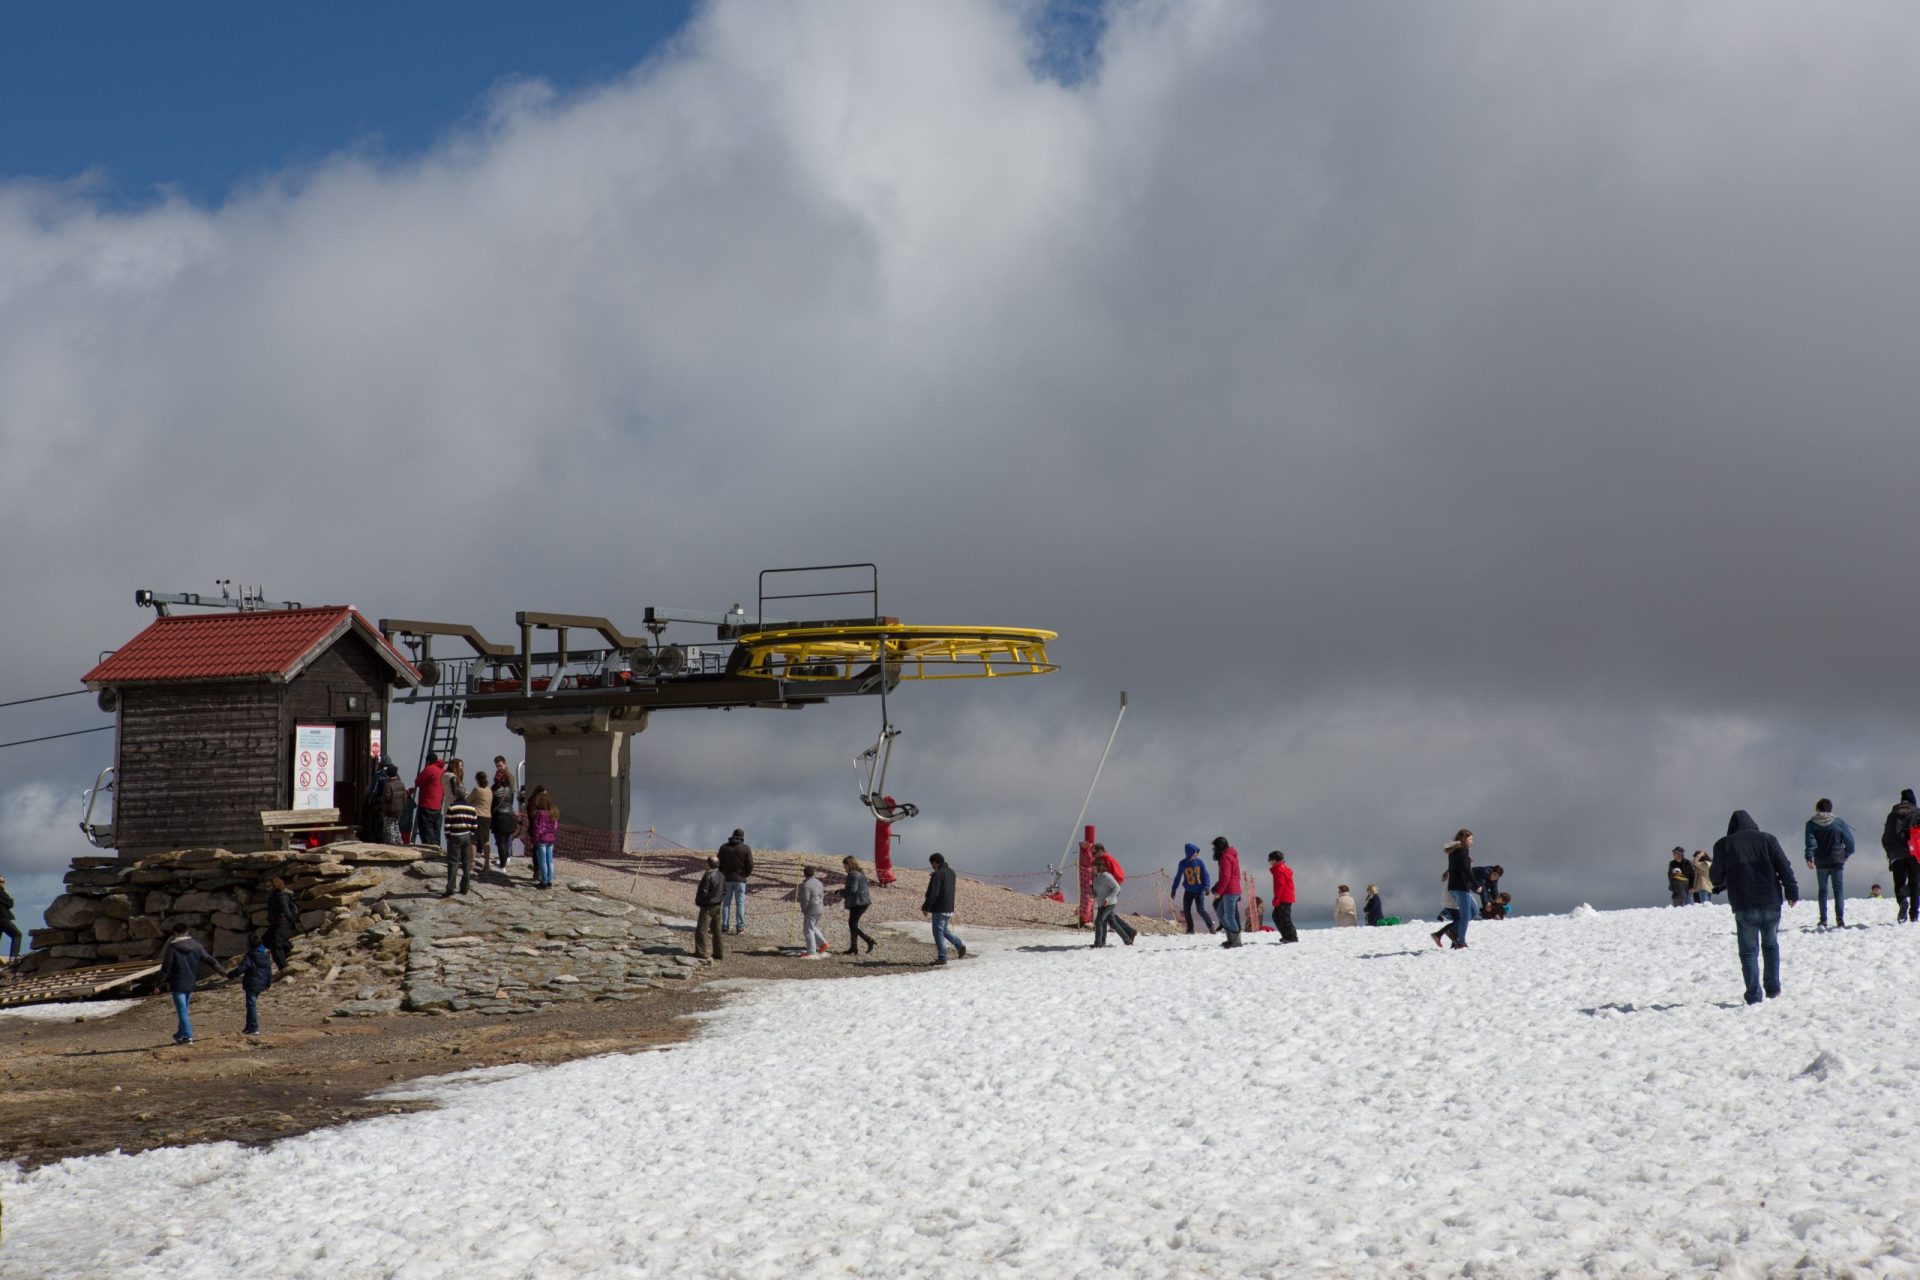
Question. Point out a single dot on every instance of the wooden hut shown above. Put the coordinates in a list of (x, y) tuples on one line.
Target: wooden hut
[(209, 707)]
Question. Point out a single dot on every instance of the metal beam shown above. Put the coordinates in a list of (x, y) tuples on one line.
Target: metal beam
[(391, 627)]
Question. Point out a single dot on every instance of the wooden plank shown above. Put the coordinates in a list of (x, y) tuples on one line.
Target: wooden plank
[(272, 818), (73, 984)]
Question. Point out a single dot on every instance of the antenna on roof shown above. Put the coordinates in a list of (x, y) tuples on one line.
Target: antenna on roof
[(249, 600)]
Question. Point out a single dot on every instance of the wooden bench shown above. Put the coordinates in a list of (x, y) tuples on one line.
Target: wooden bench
[(284, 824)]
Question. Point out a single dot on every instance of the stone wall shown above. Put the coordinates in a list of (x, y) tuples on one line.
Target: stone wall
[(114, 911)]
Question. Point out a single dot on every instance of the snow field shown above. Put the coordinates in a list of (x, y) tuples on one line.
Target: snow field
[(1578, 1095)]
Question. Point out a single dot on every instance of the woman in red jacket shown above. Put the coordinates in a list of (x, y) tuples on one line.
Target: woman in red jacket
[(1282, 895), (1226, 889)]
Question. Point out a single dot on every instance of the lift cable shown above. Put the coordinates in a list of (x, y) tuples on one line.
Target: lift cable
[(45, 697), (51, 736)]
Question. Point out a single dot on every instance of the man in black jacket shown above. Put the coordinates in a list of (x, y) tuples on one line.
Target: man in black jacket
[(938, 906), (1752, 867), (283, 921), (736, 864), (1906, 872), (707, 896), (7, 926), (180, 970)]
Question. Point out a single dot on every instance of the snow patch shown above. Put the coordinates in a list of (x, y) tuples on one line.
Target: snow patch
[(70, 1011)]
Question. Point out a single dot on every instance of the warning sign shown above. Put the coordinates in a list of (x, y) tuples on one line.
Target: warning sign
[(312, 774)]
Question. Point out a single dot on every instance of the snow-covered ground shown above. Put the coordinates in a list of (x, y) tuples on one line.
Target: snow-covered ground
[(70, 1010), (1576, 1095)]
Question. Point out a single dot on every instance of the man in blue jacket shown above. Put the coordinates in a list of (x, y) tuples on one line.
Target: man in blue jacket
[(1752, 867), (180, 971), (1190, 879), (1829, 845)]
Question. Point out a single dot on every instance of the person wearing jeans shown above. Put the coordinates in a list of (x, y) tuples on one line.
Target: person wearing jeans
[(736, 864), (1751, 866), (938, 907), (1459, 878), (180, 971), (1829, 845)]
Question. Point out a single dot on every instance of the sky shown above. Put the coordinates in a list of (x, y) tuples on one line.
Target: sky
[(1481, 415)]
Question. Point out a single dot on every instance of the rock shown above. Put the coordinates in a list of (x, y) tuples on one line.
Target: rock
[(108, 929), (41, 939), (70, 912), (583, 886), (228, 942), (143, 927), (367, 1008), (75, 951), (552, 931), (425, 996), (117, 906), (132, 949), (463, 940), (566, 979), (200, 902), (230, 921)]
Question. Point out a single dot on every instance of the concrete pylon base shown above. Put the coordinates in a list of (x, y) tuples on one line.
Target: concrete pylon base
[(585, 761)]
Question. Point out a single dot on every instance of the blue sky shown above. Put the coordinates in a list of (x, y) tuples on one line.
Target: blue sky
[(198, 97)]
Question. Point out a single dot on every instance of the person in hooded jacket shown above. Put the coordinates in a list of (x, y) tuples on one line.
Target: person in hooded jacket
[(1752, 867), (180, 963), (1283, 895), (283, 921), (393, 806), (1190, 881), (1106, 907), (255, 972), (707, 896), (1459, 878), (736, 864), (1829, 845), (856, 896), (1900, 860), (1226, 889)]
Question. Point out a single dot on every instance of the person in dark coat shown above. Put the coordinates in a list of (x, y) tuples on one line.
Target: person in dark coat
[(736, 864), (7, 925), (393, 806), (180, 962), (707, 896), (937, 906), (1459, 879), (1752, 867), (1679, 877), (1900, 860), (1375, 912), (1829, 845), (1190, 879), (857, 896), (255, 972), (503, 821), (283, 921)]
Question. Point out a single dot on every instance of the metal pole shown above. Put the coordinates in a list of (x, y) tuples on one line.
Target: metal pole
[(1074, 839)]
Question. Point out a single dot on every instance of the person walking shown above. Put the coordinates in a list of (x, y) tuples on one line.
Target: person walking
[(736, 862), (393, 806), (1374, 911), (283, 921), (429, 792), (180, 963), (1227, 889), (255, 972), (543, 830), (1459, 878), (813, 905), (937, 906), (1702, 877), (462, 824), (1190, 881), (856, 896), (7, 924), (502, 821), (1283, 895), (1679, 877), (1752, 867), (1345, 914), (707, 896), (1106, 907), (480, 797), (1895, 840), (1829, 845)]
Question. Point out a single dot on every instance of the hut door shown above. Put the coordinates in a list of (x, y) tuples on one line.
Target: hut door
[(355, 767)]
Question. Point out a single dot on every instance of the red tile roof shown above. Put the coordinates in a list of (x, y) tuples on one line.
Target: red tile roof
[(271, 644)]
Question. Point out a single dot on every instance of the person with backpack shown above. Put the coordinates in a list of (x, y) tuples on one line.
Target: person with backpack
[(1283, 895), (283, 921), (1829, 845), (180, 962), (707, 896), (1752, 867), (856, 896), (1227, 888), (1374, 910), (937, 906), (393, 806), (736, 862), (255, 972), (543, 831), (1459, 878), (1896, 839), (1190, 880), (1106, 904), (1679, 877)]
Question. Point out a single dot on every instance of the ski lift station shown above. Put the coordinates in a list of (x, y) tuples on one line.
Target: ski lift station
[(231, 724)]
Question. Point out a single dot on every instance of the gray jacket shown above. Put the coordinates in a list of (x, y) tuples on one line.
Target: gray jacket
[(1106, 890), (856, 894), (813, 896)]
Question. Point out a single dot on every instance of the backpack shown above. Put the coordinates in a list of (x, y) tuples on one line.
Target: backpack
[(1118, 872), (1913, 843)]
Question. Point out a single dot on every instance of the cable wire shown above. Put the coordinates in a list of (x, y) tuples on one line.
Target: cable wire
[(51, 736), (45, 697)]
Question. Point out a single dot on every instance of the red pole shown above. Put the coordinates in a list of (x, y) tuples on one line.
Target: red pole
[(883, 848), (1086, 878)]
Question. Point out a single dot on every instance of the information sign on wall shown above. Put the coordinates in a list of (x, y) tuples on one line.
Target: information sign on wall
[(313, 766)]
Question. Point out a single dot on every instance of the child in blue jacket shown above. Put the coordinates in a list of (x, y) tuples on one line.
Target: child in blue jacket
[(1191, 878), (255, 972)]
